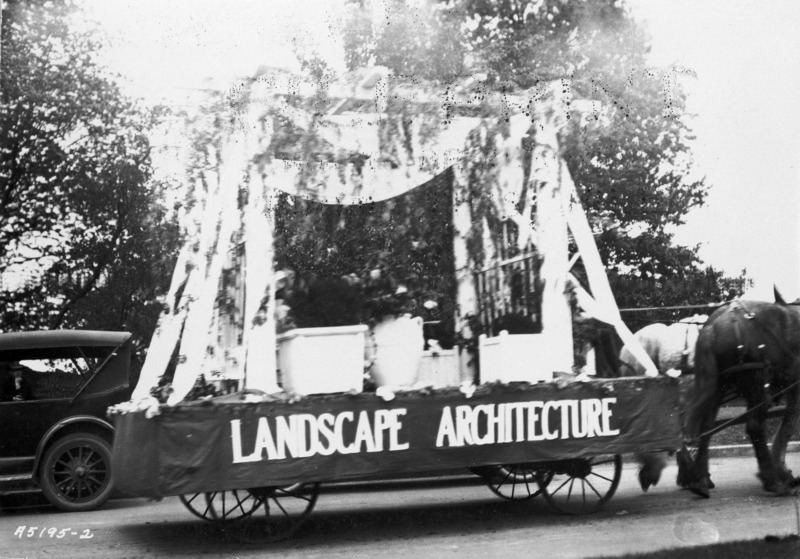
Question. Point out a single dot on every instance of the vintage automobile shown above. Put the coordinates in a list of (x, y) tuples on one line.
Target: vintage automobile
[(54, 432)]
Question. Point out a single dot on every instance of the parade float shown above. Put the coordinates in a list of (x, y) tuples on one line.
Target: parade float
[(513, 408)]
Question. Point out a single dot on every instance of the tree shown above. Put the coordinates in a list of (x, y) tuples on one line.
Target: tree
[(634, 172), (420, 41), (80, 215), (632, 166)]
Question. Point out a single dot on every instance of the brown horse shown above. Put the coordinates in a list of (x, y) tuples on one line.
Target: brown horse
[(751, 349)]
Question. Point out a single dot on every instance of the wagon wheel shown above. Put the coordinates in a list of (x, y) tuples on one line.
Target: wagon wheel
[(582, 485), (279, 513), (222, 505), (515, 482)]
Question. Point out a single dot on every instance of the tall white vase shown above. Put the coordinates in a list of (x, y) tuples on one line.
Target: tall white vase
[(399, 343)]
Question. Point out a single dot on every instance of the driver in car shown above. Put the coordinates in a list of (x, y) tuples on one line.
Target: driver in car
[(16, 388)]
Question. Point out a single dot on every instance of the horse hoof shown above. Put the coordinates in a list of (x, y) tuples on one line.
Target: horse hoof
[(700, 488), (779, 488), (782, 490), (649, 477), (775, 485), (711, 483), (644, 483), (682, 480)]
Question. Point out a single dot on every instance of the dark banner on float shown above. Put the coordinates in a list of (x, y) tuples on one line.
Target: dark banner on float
[(216, 446)]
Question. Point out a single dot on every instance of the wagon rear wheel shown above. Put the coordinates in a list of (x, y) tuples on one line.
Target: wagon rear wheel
[(280, 512), (583, 485), (515, 482), (221, 505)]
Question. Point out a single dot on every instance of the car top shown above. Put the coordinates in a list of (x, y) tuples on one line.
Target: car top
[(61, 338)]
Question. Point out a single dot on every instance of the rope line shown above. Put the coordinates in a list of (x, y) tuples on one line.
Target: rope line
[(677, 308), (747, 412)]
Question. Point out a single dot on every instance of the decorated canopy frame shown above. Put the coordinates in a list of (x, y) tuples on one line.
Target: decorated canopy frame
[(371, 137)]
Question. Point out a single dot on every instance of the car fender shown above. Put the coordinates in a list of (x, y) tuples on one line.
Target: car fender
[(59, 426)]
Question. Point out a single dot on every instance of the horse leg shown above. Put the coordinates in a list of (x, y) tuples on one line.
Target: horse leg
[(766, 468), (702, 412), (651, 465), (685, 464), (755, 394), (682, 458), (786, 430), (698, 477)]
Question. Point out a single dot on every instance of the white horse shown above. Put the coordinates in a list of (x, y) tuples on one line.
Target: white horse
[(670, 347), (672, 350)]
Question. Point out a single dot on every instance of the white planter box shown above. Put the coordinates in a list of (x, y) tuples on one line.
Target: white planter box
[(322, 360), (440, 369), (514, 358)]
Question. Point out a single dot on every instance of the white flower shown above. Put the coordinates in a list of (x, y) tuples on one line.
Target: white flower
[(401, 289), (430, 305), (153, 408), (467, 388)]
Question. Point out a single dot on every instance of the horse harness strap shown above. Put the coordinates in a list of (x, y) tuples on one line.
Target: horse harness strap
[(738, 305), (775, 337), (745, 314), (744, 366), (724, 425), (685, 355)]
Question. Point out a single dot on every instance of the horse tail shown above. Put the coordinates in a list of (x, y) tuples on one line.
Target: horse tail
[(706, 383)]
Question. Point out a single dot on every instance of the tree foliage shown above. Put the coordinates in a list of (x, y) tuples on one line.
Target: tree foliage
[(80, 216), (332, 249), (632, 163), (419, 41)]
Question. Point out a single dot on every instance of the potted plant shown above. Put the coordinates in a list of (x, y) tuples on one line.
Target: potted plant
[(398, 338), (378, 297)]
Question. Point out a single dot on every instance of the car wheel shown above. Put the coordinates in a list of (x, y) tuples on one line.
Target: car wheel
[(76, 472)]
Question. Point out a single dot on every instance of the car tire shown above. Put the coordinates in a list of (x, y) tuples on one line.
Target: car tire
[(76, 472)]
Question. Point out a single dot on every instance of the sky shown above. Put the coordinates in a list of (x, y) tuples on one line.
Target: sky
[(744, 54)]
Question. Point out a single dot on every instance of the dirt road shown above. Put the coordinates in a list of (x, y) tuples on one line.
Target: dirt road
[(447, 519)]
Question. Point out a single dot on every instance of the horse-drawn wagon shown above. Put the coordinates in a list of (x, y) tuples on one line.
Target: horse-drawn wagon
[(540, 426)]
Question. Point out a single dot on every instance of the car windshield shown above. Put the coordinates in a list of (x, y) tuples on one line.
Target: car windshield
[(52, 376)]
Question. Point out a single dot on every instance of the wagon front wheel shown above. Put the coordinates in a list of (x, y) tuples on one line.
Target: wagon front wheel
[(280, 512), (582, 485), (221, 505)]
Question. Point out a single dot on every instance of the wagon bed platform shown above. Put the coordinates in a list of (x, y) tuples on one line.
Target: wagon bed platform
[(227, 443)]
